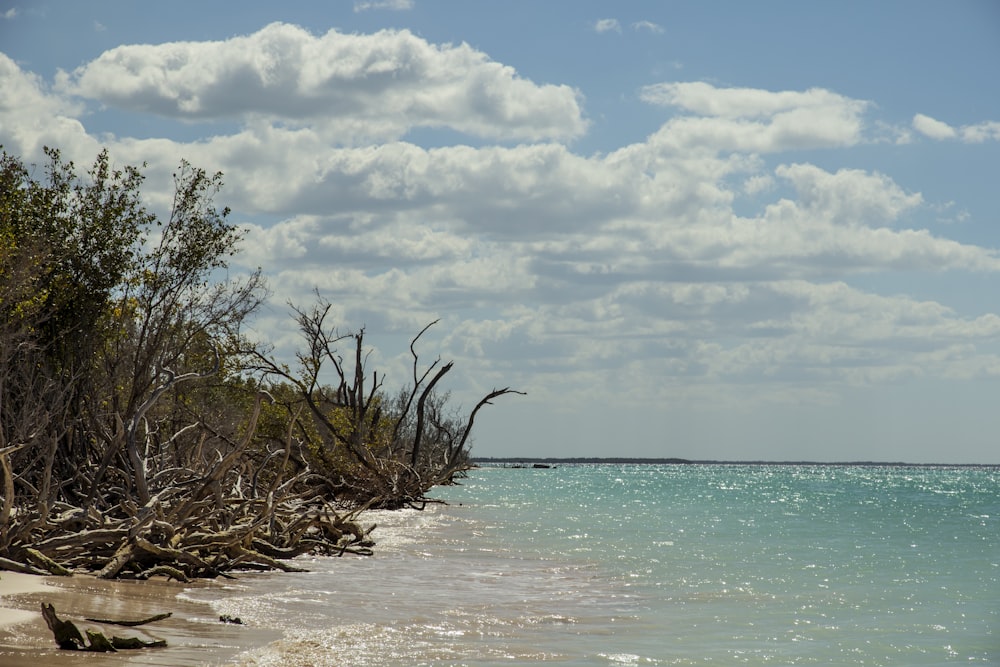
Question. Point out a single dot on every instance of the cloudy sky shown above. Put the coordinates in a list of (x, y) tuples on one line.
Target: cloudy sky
[(712, 230)]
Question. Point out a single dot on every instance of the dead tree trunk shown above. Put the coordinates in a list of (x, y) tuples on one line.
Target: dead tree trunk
[(137, 458), (421, 406)]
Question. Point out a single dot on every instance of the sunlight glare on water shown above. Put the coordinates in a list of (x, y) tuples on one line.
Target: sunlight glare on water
[(658, 565)]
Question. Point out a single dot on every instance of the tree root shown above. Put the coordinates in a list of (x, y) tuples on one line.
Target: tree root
[(130, 542)]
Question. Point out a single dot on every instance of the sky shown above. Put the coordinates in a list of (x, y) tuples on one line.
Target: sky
[(708, 230)]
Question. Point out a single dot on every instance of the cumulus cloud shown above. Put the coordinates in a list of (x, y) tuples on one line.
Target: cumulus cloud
[(980, 132), (707, 100), (972, 134), (933, 128), (607, 25), (632, 272), (392, 5), (32, 117), (833, 332), (375, 86), (760, 121), (849, 196), (664, 340)]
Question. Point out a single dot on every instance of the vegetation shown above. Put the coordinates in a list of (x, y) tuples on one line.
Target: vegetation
[(142, 433)]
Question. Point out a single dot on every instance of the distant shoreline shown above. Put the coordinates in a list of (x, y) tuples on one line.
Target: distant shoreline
[(679, 461)]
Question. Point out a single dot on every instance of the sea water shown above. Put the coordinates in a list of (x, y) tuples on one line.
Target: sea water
[(656, 565)]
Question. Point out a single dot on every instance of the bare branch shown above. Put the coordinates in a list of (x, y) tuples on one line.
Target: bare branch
[(486, 400), (421, 403)]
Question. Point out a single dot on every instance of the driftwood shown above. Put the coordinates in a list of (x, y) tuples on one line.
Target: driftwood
[(232, 499), (201, 522), (68, 636), (132, 624), (209, 544), (193, 550)]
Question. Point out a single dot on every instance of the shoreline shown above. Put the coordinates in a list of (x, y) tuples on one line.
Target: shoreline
[(194, 634), (15, 584)]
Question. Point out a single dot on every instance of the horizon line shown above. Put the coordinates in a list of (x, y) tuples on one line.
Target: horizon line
[(683, 461)]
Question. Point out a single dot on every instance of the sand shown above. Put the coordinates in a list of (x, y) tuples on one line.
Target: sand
[(194, 634)]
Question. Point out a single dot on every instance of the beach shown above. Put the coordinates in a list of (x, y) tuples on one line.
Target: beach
[(194, 633)]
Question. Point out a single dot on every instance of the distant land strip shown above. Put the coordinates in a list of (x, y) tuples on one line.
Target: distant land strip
[(513, 460)]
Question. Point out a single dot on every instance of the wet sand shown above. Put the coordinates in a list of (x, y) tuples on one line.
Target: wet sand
[(193, 633)]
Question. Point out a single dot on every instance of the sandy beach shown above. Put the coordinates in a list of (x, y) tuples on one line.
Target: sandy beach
[(193, 633)]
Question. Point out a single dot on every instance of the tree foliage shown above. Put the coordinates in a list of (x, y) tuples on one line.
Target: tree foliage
[(142, 433), (106, 312)]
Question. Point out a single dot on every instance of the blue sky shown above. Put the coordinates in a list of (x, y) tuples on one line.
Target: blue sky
[(713, 230)]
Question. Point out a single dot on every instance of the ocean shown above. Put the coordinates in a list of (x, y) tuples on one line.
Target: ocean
[(654, 565)]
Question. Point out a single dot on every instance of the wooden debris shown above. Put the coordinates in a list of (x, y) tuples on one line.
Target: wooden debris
[(132, 624), (99, 643), (129, 643), (183, 537), (43, 561), (68, 636)]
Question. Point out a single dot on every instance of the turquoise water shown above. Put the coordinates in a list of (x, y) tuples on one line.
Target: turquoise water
[(659, 565)]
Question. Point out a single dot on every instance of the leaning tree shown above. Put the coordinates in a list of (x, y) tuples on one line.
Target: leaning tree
[(372, 448)]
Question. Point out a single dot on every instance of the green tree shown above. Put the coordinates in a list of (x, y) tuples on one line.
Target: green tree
[(66, 244), (105, 309), (127, 421), (175, 319)]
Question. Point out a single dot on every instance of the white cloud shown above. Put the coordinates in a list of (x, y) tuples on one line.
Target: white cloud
[(981, 132), (649, 342), (850, 196), (758, 121), (607, 25), (930, 127), (392, 5), (648, 26), (9, 14), (31, 117), (582, 224), (757, 184), (707, 100), (971, 134), (350, 87), (628, 273)]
